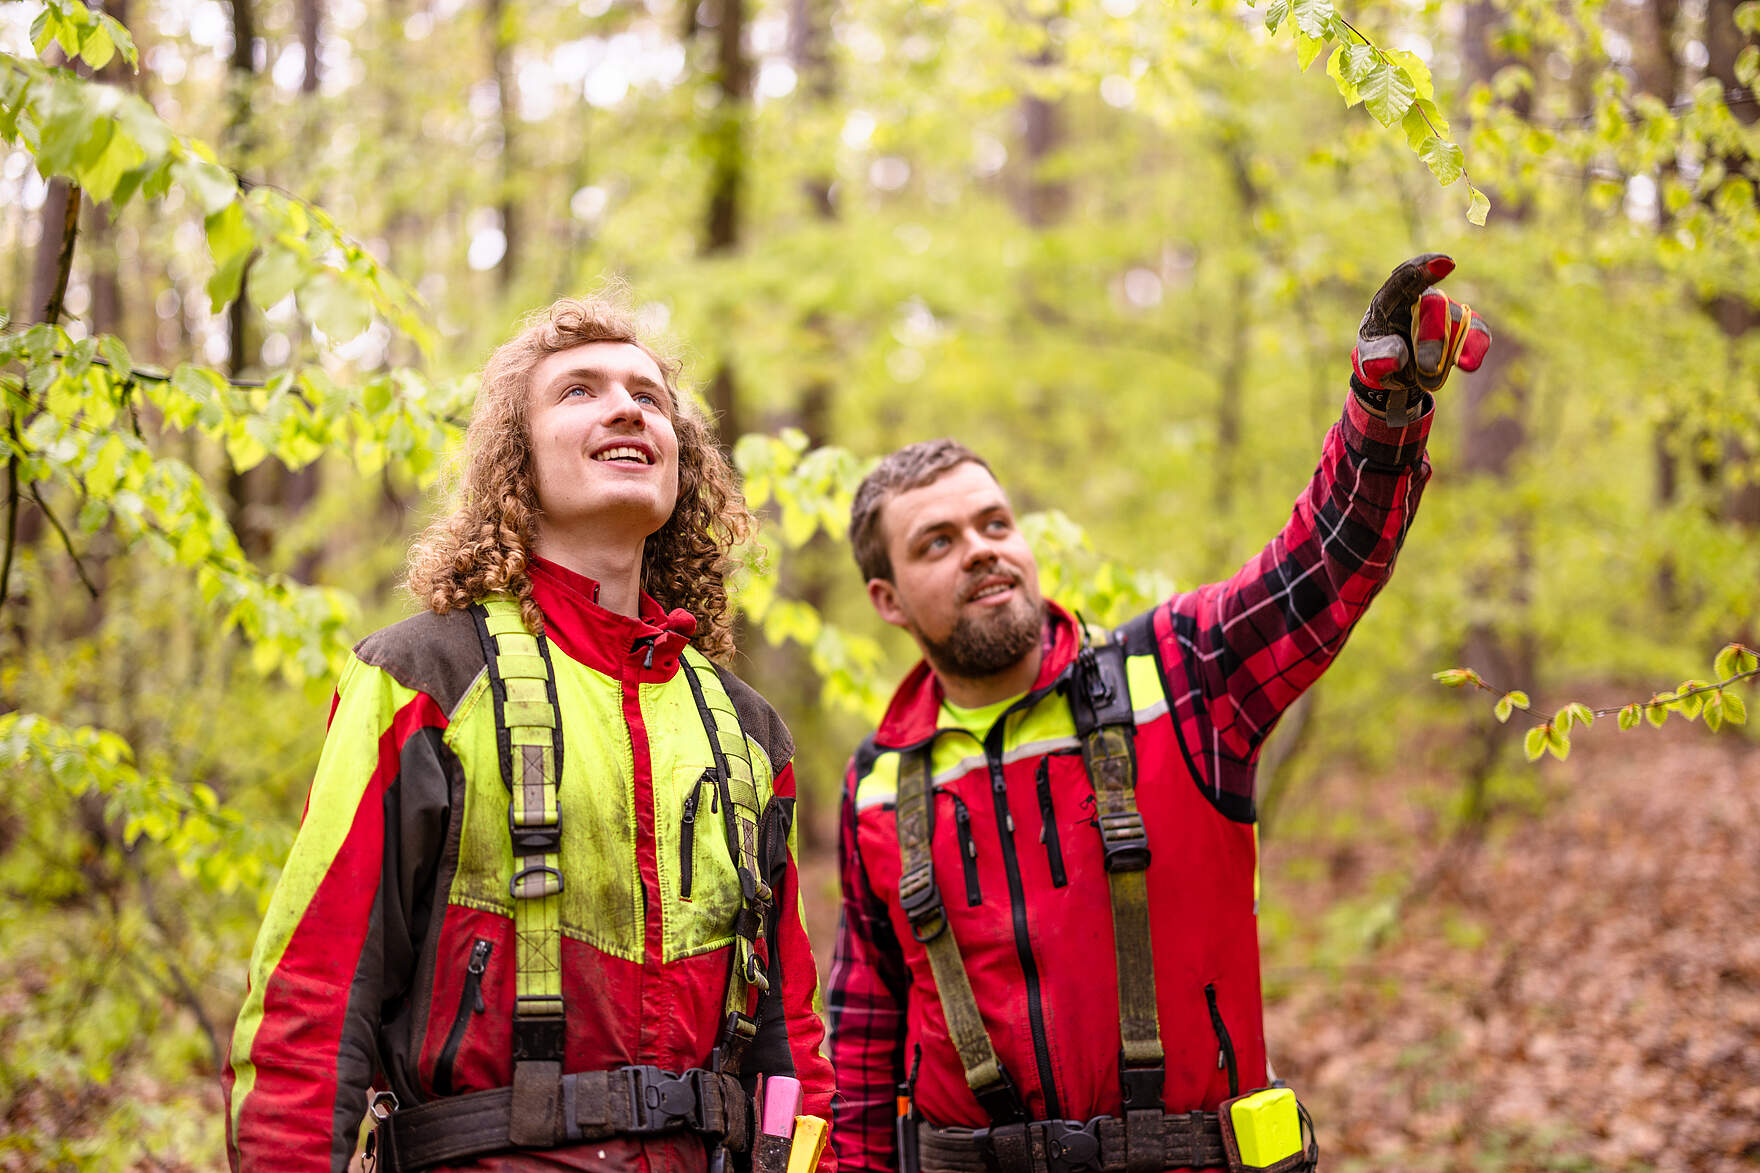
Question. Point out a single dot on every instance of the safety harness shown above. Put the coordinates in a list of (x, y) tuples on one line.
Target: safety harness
[(1146, 1139), (545, 1108)]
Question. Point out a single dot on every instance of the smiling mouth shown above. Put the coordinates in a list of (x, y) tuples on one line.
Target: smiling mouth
[(624, 455), (989, 591)]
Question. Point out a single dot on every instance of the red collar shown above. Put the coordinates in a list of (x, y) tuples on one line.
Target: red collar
[(645, 647), (915, 709)]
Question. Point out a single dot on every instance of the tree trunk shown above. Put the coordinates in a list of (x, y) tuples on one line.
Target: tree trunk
[(501, 38), (311, 20), (722, 220), (1494, 402), (1735, 312)]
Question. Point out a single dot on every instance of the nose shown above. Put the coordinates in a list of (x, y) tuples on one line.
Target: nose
[(979, 551), (621, 406)]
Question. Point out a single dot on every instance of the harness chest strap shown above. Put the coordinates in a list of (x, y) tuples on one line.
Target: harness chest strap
[(530, 740), (736, 784), (1098, 693), (921, 900)]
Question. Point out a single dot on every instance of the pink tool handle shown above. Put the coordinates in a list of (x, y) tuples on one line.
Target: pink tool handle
[(782, 1101)]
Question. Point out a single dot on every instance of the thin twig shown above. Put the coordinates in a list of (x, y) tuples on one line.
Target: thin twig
[(65, 541), (64, 263), (1539, 722)]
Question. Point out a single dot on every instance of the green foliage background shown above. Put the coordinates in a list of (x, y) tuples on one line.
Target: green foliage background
[(1144, 318)]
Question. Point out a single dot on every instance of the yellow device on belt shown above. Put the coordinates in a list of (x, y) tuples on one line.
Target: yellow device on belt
[(1266, 1126), (809, 1142)]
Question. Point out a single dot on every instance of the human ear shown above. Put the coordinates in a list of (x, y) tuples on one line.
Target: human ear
[(884, 595)]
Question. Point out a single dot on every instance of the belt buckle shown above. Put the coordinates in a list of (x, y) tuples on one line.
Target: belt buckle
[(1070, 1146), (659, 1099)]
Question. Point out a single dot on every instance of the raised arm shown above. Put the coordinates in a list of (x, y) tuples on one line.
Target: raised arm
[(1237, 654)]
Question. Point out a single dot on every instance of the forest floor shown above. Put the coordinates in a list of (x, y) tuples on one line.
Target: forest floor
[(1576, 989)]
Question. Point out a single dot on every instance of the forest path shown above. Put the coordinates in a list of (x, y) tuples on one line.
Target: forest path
[(1578, 990)]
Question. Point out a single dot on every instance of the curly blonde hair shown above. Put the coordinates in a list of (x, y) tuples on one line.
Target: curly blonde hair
[(482, 546)]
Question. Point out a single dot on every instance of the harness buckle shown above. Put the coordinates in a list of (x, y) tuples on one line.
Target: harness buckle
[(1142, 1086), (921, 901), (1125, 841), (534, 838), (1070, 1146), (660, 1100)]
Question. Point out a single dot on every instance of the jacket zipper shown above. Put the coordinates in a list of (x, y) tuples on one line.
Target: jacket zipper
[(687, 836), (1048, 824), (1226, 1054), (968, 850), (470, 1002), (1018, 901)]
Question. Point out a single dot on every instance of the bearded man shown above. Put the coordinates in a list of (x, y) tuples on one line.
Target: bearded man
[(1048, 947), (544, 897)]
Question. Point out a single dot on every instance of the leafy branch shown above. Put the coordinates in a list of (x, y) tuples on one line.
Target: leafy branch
[(1691, 699), (1393, 85)]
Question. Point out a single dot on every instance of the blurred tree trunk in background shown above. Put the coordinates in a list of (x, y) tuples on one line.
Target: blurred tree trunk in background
[(1495, 435), (1735, 311), (500, 18), (722, 223)]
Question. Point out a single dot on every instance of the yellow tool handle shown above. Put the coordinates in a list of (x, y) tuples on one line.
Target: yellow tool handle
[(809, 1142)]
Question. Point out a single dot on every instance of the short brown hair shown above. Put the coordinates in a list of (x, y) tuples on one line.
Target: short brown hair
[(911, 467), (482, 547)]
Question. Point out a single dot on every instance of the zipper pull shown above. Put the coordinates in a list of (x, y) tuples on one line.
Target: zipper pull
[(964, 818), (690, 804), (478, 964)]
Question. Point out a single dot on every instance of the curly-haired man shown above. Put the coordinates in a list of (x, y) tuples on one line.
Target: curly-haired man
[(544, 898)]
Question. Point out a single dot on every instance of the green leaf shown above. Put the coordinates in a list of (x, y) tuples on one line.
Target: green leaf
[(1477, 207), (1307, 50), (1313, 18), (210, 185), (1735, 709), (122, 39), (1655, 713), (1714, 714), (1446, 160), (1455, 677), (1535, 742), (336, 309), (1275, 12), (1518, 698), (98, 48), (1502, 709), (1335, 69), (276, 274), (1388, 93), (1582, 713), (1416, 70), (1630, 716), (1558, 744), (230, 240), (116, 354)]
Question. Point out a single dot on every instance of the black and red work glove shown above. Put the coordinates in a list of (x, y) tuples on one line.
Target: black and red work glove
[(1411, 338)]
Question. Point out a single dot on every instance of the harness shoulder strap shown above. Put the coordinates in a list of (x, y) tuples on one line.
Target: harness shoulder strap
[(741, 809), (1100, 702), (921, 900), (529, 735)]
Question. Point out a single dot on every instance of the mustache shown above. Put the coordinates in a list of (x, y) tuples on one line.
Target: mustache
[(980, 582)]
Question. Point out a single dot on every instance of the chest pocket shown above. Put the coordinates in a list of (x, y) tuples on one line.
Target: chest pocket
[(698, 882)]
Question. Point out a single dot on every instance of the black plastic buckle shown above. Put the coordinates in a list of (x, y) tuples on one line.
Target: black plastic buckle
[(660, 1100), (921, 901), (537, 839), (1094, 681), (1000, 1101), (1142, 1086), (538, 1037), (1125, 841), (1070, 1146)]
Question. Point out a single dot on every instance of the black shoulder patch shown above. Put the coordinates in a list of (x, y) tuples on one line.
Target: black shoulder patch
[(759, 721), (436, 654)]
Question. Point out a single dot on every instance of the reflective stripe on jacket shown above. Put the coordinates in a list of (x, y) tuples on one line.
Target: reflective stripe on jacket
[(387, 955), (1018, 858)]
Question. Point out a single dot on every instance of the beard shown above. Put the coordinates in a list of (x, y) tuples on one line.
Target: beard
[(980, 646)]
